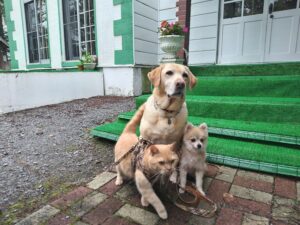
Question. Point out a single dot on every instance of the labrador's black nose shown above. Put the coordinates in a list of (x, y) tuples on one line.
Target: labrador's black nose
[(180, 85)]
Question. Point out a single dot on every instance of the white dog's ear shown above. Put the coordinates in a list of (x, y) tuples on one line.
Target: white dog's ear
[(203, 126), (192, 78), (188, 127), (154, 76)]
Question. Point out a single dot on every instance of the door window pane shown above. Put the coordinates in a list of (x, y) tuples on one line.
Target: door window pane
[(233, 9), (285, 5), (253, 7)]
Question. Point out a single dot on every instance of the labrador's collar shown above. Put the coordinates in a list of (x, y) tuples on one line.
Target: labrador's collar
[(173, 113)]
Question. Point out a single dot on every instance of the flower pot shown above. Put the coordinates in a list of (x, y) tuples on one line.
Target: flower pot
[(171, 44), (80, 67), (89, 66)]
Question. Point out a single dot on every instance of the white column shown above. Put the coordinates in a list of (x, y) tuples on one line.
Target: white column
[(105, 32), (54, 34)]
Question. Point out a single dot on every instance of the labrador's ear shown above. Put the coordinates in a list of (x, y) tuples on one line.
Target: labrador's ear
[(154, 76), (192, 78)]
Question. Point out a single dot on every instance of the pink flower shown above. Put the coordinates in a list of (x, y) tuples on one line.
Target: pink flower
[(185, 29), (171, 25)]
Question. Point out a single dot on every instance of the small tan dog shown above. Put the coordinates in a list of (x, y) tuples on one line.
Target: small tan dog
[(193, 155), (165, 113)]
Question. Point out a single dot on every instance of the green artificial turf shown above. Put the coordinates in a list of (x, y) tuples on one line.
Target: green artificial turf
[(260, 109), (248, 70), (284, 129), (234, 148), (254, 86)]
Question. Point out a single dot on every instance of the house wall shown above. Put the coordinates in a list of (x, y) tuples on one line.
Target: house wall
[(20, 91), (145, 32), (203, 32)]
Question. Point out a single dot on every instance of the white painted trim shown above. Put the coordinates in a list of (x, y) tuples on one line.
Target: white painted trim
[(118, 42), (117, 12)]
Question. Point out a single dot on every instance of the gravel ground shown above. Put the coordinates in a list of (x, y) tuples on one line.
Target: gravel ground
[(52, 144)]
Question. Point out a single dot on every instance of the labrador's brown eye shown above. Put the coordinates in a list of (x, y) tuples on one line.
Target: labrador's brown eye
[(170, 73), (193, 139), (161, 162), (185, 75)]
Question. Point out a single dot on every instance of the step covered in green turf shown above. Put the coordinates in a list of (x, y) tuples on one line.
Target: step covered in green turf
[(271, 69), (274, 132), (254, 86), (259, 109), (252, 155)]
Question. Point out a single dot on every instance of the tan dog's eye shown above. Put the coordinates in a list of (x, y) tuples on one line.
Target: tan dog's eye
[(193, 140), (161, 162), (201, 139), (185, 75), (169, 72)]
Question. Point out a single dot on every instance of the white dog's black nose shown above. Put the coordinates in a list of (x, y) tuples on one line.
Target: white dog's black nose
[(199, 146), (180, 85)]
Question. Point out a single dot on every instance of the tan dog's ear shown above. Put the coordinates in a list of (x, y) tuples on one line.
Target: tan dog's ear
[(154, 76), (192, 78)]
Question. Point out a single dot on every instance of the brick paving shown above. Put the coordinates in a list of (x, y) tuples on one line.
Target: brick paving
[(257, 199)]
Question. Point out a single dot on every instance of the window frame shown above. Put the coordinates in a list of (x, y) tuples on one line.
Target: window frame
[(42, 62), (74, 62)]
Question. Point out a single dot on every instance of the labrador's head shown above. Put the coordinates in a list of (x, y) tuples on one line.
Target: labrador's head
[(172, 78)]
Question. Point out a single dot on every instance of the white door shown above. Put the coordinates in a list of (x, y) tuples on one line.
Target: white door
[(242, 31), (283, 37), (253, 31)]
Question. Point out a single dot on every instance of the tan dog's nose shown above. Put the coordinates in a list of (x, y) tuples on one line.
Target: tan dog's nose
[(180, 85)]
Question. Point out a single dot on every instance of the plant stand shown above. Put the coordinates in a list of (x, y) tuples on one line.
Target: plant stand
[(171, 44)]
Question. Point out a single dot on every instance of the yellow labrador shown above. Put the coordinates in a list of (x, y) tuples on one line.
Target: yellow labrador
[(165, 114)]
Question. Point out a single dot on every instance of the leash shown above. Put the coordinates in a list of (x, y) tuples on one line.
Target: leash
[(195, 202), (188, 206), (142, 144)]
